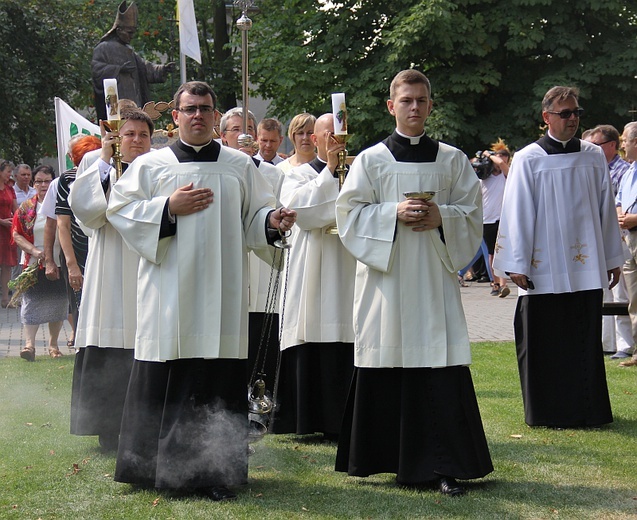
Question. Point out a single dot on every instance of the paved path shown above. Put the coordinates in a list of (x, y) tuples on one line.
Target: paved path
[(489, 319)]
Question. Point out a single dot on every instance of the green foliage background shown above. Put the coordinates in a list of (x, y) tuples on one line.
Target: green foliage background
[(490, 61)]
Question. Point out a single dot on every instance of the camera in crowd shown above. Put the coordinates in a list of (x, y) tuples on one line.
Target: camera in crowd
[(482, 165)]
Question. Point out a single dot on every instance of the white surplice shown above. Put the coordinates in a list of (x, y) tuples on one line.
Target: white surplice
[(260, 269), (408, 311), (192, 291), (107, 314), (559, 223), (320, 276)]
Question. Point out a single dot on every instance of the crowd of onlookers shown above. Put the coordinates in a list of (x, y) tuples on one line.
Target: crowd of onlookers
[(22, 254)]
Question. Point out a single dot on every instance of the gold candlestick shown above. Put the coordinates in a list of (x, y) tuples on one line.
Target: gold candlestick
[(114, 122), (115, 126), (341, 171)]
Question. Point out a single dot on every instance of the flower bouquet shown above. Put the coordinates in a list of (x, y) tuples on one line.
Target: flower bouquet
[(27, 279)]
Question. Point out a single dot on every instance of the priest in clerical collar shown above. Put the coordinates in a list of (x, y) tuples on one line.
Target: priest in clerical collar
[(559, 242), (410, 211)]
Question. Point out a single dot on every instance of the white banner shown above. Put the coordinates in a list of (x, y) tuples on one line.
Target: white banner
[(68, 123), (188, 37)]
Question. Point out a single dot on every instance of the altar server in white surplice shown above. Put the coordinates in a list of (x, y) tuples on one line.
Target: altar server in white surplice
[(559, 230), (191, 211), (412, 409), (107, 314), (317, 335)]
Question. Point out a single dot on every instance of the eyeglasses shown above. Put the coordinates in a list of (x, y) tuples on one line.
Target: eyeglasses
[(566, 114), (191, 110), (605, 142), (42, 182)]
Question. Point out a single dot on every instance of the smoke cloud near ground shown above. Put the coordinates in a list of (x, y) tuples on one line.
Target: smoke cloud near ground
[(213, 440)]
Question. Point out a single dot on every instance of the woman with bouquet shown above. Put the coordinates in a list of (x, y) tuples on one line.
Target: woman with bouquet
[(45, 301)]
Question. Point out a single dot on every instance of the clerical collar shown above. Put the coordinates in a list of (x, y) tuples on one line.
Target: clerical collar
[(403, 150), (552, 146), (196, 148), (412, 140), (188, 153), (318, 164), (564, 143)]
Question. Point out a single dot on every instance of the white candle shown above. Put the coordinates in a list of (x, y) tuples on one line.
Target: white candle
[(340, 113), (111, 99)]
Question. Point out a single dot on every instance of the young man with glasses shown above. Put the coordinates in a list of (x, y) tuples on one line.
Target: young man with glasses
[(558, 241), (191, 211)]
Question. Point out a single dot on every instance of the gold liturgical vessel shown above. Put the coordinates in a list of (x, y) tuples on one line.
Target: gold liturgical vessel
[(421, 195)]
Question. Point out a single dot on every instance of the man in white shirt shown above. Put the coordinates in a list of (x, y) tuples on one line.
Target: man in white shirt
[(269, 136), (23, 189)]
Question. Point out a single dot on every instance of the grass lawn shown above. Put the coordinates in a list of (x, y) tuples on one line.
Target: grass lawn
[(45, 473)]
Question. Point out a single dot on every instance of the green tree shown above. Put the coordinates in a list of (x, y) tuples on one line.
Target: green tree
[(489, 62), (37, 64)]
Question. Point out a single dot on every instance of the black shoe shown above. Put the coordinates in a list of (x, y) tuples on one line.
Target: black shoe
[(449, 486), (218, 493), (109, 442), (330, 437), (484, 279)]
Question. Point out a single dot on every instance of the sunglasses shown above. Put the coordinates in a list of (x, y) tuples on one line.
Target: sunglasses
[(566, 114)]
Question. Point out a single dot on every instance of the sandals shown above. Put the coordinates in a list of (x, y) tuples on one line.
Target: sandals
[(54, 352), (28, 353), (70, 343)]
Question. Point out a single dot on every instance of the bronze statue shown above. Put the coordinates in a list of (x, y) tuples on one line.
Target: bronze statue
[(113, 57)]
